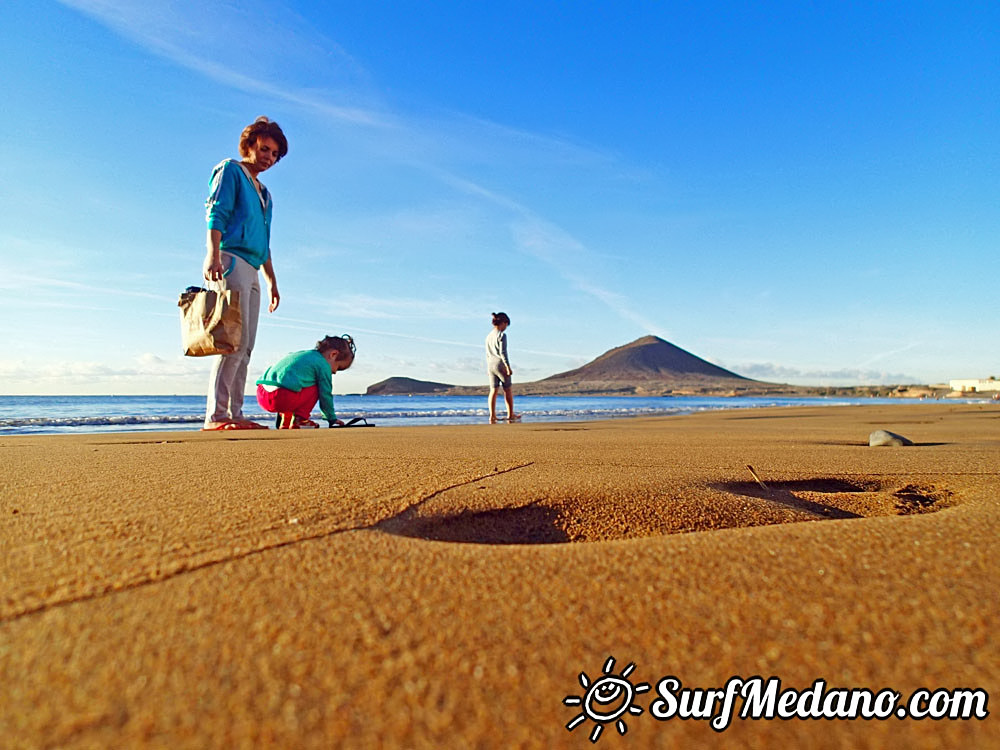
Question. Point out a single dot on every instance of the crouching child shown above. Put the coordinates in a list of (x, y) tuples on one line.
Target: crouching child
[(291, 387)]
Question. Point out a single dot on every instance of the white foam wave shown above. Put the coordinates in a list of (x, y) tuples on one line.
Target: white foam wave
[(396, 416)]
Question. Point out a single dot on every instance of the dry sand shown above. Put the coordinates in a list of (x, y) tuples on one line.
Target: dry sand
[(445, 586)]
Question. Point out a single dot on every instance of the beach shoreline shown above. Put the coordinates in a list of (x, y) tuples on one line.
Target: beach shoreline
[(41, 415), (414, 587)]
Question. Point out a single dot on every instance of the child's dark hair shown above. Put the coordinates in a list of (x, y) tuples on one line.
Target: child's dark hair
[(343, 345), (499, 318)]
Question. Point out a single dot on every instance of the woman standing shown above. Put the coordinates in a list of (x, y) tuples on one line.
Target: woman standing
[(238, 211)]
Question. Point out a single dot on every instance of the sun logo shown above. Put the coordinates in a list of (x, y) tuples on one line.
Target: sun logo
[(607, 700)]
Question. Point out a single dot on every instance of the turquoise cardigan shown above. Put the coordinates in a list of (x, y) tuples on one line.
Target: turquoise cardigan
[(234, 208), (298, 370)]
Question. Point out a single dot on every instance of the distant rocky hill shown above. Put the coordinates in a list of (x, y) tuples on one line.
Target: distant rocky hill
[(405, 386), (648, 366)]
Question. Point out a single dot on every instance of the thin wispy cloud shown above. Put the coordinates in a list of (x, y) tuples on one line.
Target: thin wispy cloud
[(557, 248), (181, 31), (300, 324), (520, 144), (20, 281), (368, 306), (575, 264), (886, 355)]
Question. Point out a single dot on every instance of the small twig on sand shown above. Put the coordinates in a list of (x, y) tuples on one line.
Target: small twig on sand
[(754, 475)]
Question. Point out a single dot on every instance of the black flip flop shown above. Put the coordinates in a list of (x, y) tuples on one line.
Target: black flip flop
[(356, 422)]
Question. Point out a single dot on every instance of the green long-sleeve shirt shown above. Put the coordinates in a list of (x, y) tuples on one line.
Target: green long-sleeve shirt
[(300, 370)]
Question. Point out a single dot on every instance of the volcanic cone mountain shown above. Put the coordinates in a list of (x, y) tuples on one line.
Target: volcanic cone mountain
[(648, 358), (648, 365)]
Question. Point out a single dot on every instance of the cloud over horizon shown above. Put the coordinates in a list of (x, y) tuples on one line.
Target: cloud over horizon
[(771, 372)]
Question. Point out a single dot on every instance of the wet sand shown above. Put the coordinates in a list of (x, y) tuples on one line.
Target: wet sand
[(446, 586)]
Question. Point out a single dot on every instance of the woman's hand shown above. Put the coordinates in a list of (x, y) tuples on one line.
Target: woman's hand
[(212, 269), (272, 285)]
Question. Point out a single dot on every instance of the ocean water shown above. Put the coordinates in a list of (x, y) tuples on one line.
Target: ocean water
[(32, 415)]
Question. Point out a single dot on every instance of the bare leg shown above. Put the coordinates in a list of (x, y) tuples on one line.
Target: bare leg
[(493, 405), (508, 395)]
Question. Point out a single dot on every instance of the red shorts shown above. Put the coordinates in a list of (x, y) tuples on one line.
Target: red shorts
[(283, 400)]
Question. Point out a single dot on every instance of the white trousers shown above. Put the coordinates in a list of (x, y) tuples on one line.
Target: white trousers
[(229, 371)]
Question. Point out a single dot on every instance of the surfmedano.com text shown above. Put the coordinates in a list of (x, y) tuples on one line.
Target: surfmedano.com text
[(764, 699)]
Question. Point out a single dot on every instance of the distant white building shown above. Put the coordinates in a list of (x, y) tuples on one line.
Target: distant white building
[(975, 386)]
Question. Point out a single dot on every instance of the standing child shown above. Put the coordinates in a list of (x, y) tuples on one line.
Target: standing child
[(498, 367), (292, 387)]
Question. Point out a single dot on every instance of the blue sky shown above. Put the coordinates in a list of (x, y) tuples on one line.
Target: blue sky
[(802, 192)]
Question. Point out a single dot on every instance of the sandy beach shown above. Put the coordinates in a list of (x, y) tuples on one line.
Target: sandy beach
[(446, 586)]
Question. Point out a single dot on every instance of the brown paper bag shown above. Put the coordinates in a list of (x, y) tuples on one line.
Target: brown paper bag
[(210, 322)]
